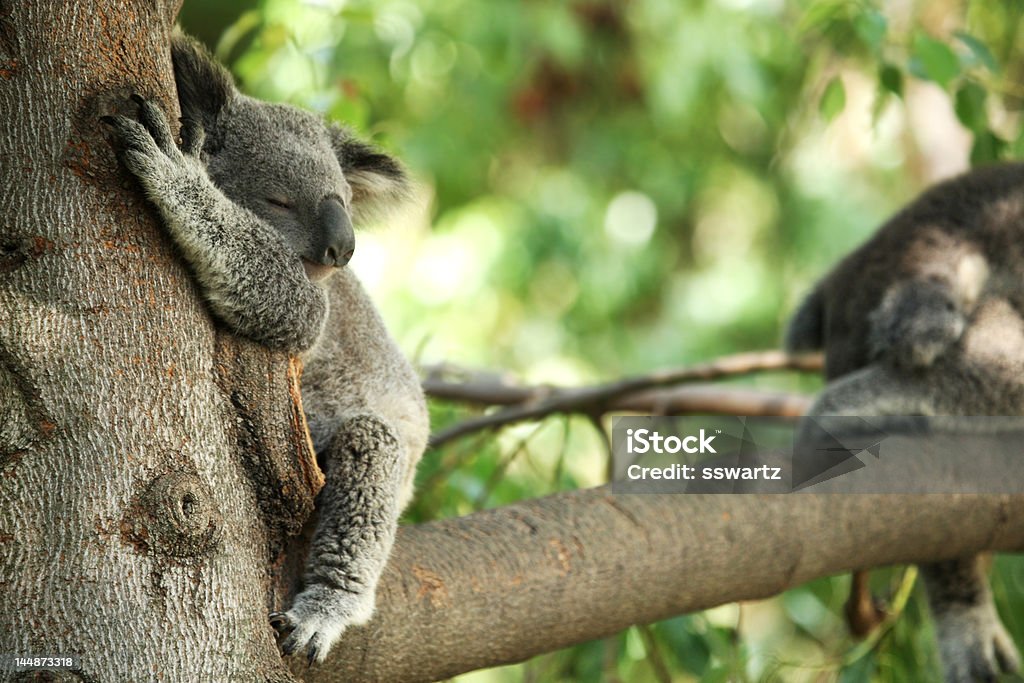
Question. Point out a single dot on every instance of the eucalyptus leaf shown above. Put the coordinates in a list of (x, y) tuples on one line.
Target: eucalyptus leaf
[(936, 59), (979, 51), (833, 100)]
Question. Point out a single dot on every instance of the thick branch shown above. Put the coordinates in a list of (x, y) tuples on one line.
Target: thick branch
[(527, 403), (504, 585)]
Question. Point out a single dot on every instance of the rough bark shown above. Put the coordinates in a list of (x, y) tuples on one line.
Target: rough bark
[(500, 586), (133, 533)]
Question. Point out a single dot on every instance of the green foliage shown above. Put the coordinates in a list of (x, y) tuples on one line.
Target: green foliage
[(612, 187), (933, 60), (834, 99)]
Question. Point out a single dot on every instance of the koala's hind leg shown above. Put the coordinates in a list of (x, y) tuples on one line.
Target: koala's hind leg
[(973, 644), (874, 391), (358, 515), (868, 392)]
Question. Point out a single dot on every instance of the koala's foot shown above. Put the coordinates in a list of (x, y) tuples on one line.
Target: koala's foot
[(915, 324), (974, 645), (317, 619), (148, 149)]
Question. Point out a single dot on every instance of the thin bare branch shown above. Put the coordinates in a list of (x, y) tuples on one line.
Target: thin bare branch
[(631, 393)]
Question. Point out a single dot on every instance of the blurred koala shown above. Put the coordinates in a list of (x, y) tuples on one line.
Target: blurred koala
[(925, 318)]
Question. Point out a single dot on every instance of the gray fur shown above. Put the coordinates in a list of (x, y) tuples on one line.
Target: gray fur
[(927, 318), (259, 200), (806, 328)]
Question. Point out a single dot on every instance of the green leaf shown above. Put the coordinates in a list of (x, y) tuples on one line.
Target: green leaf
[(833, 100), (935, 60), (820, 14), (244, 26), (988, 147), (354, 111), (979, 51), (969, 105), (871, 27), (861, 669), (891, 79)]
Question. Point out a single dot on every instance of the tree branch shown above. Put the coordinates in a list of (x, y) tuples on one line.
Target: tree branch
[(631, 393), (714, 400), (504, 585)]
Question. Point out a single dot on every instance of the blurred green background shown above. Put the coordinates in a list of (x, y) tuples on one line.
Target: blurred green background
[(609, 187)]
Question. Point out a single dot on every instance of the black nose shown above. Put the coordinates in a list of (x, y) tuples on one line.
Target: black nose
[(336, 242)]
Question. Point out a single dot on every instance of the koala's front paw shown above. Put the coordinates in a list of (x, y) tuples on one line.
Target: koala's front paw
[(915, 324), (973, 644), (317, 619), (147, 147)]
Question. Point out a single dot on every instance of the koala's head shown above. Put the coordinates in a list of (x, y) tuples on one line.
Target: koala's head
[(309, 180)]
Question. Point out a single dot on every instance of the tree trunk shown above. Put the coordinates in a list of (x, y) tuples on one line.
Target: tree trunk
[(504, 585), (152, 471), (142, 458)]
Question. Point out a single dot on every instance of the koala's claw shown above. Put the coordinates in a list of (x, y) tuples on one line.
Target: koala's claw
[(974, 645), (313, 650), (318, 618), (130, 134), (281, 623), (152, 117), (147, 148)]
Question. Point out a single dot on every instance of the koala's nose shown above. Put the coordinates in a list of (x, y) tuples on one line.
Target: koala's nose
[(337, 241)]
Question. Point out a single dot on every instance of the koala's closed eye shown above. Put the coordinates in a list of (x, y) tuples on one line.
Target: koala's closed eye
[(279, 202)]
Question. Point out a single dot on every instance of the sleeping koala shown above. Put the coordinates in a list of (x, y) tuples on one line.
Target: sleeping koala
[(927, 318), (260, 200)]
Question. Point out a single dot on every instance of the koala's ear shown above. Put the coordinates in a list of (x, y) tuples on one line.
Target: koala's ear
[(204, 86), (378, 181)]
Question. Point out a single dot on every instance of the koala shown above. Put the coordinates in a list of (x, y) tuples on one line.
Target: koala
[(927, 318), (260, 200)]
